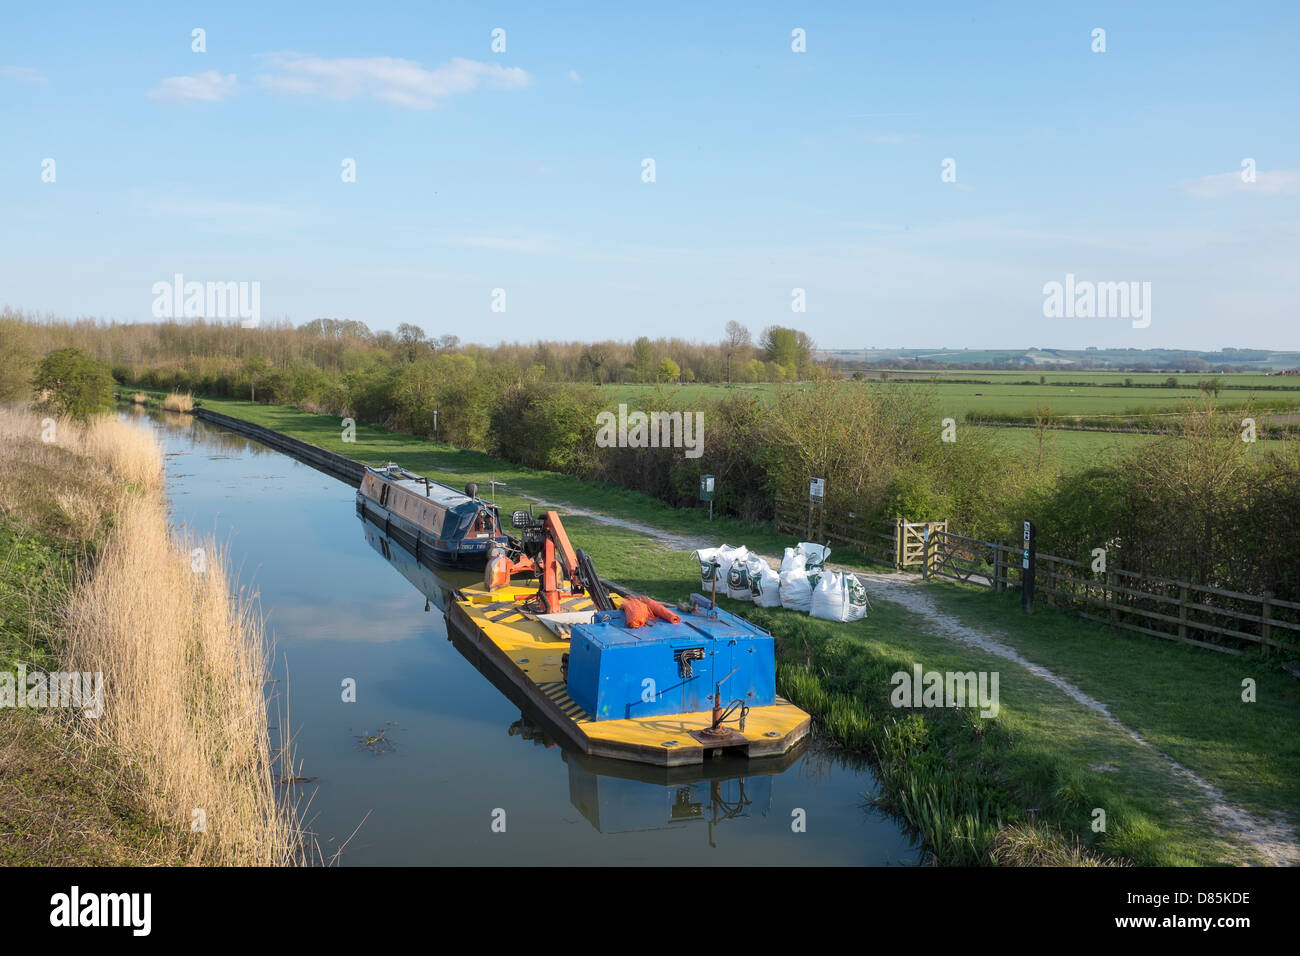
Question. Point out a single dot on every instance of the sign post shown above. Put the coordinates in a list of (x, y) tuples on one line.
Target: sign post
[(816, 496), (706, 492), (1027, 560)]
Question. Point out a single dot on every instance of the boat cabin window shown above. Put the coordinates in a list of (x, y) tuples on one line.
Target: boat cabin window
[(383, 494)]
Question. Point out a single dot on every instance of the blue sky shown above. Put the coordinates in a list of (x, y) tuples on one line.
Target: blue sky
[(775, 170)]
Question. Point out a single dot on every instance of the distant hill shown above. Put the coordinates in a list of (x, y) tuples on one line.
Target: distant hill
[(1136, 360)]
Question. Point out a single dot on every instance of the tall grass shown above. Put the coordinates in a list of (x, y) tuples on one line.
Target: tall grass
[(185, 667), (130, 452), (179, 402), (185, 664), (115, 449)]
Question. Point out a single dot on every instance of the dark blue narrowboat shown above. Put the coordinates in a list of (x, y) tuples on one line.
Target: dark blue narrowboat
[(436, 523)]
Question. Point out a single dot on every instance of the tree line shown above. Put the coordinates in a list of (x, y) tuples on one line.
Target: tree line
[(1196, 503), (279, 359)]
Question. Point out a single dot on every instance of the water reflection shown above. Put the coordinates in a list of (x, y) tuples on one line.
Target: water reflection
[(436, 587)]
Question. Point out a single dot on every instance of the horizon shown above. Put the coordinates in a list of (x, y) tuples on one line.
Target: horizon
[(1158, 161), (815, 347)]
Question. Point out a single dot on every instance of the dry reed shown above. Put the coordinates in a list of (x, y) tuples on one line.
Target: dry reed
[(185, 667), (178, 402), (185, 663)]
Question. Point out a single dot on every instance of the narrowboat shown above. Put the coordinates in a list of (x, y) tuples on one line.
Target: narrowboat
[(436, 523)]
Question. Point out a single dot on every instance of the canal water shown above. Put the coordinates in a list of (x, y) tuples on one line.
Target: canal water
[(417, 769)]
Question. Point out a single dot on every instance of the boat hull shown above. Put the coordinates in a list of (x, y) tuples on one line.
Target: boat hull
[(465, 555)]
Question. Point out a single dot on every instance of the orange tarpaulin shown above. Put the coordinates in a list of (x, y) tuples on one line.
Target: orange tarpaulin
[(661, 612), (636, 612)]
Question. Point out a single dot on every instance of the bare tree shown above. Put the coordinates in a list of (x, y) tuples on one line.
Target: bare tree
[(736, 340), (411, 336), (597, 356)]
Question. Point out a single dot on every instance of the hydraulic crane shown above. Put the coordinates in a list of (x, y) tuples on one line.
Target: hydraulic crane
[(545, 551)]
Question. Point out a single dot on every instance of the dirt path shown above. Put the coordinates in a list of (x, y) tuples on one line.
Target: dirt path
[(1273, 837), (677, 542)]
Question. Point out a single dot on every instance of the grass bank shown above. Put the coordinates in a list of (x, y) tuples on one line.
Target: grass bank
[(1021, 788), (178, 767)]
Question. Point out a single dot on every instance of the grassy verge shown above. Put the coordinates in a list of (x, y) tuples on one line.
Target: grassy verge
[(1021, 788), (62, 802), (91, 581), (1186, 701)]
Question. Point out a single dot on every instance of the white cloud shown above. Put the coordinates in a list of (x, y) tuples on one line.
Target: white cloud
[(234, 217), (209, 87), (499, 244), (573, 75), (402, 82), (24, 74), (1272, 182)]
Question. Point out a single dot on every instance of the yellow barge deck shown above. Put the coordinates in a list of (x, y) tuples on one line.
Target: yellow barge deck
[(522, 657)]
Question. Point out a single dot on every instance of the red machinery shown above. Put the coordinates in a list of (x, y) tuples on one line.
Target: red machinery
[(545, 552)]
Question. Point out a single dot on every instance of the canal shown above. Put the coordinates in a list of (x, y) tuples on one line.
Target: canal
[(417, 768)]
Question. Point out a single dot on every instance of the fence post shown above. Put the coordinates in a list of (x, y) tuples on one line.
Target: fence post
[(898, 542), (1265, 627), (1111, 578), (925, 554), (1182, 612), (997, 568)]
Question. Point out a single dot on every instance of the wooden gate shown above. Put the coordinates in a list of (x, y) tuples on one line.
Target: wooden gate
[(910, 536)]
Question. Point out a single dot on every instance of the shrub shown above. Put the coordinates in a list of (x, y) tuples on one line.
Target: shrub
[(73, 385)]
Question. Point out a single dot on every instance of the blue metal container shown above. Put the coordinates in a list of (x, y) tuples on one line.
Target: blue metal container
[(617, 672)]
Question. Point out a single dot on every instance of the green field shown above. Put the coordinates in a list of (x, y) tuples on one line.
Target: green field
[(1005, 394), (1112, 378)]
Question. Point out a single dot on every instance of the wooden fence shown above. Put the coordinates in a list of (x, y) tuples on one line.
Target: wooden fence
[(813, 523), (1199, 614)]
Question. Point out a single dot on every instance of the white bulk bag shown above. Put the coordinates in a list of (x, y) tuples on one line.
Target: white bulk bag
[(839, 597), (815, 555), (787, 562), (796, 586), (738, 588), (706, 556), (856, 592), (765, 584)]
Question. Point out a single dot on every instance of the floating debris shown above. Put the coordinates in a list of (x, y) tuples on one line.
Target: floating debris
[(377, 743)]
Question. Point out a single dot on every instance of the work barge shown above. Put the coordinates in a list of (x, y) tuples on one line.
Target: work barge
[(672, 688)]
